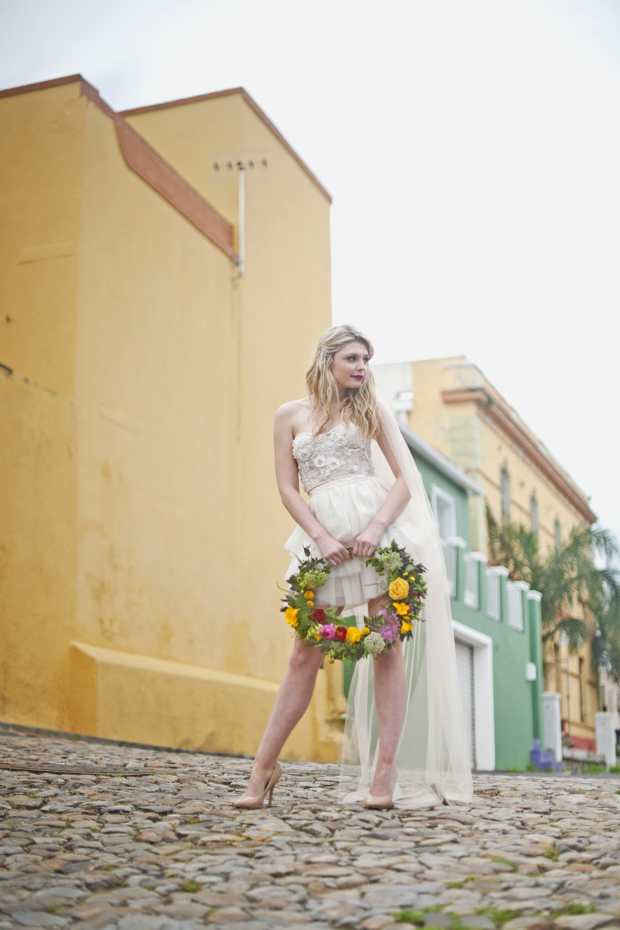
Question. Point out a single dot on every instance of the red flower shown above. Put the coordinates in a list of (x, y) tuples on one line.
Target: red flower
[(318, 615), (341, 633)]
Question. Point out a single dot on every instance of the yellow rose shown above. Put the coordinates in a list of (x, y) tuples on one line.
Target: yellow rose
[(401, 609), (353, 634), (365, 631), (290, 616), (398, 589), (406, 627)]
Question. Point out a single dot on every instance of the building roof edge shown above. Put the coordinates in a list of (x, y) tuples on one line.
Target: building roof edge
[(440, 461), (253, 105), (149, 165)]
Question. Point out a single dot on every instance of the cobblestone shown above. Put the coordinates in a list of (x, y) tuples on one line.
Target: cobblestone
[(167, 851)]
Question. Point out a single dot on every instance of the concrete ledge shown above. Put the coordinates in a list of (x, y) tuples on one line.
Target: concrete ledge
[(142, 699)]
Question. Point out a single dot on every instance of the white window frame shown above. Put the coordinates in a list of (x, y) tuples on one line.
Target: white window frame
[(515, 605), (493, 579), (439, 495), (471, 590)]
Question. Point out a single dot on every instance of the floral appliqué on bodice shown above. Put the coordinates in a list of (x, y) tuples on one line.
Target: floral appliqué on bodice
[(339, 453)]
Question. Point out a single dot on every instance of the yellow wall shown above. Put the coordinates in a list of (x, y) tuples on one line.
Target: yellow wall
[(41, 137), (171, 525), (38, 537)]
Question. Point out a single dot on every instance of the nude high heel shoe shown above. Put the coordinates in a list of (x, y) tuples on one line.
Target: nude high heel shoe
[(255, 803), (378, 803)]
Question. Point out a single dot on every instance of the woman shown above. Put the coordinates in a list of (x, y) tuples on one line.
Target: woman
[(327, 439)]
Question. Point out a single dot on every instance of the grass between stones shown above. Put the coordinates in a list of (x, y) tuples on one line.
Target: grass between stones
[(191, 886), (470, 878), (498, 915), (570, 909), (504, 861)]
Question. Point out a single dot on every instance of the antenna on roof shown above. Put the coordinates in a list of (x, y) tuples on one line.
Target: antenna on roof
[(246, 164)]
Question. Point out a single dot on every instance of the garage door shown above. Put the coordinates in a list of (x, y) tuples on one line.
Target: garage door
[(465, 672)]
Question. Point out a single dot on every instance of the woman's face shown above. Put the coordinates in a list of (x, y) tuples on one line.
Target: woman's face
[(350, 365)]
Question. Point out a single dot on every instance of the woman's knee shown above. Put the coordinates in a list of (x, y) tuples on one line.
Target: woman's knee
[(390, 659), (305, 658)]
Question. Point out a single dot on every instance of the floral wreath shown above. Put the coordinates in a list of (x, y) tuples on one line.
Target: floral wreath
[(400, 578)]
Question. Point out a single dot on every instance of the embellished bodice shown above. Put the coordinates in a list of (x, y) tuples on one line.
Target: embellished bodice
[(340, 453)]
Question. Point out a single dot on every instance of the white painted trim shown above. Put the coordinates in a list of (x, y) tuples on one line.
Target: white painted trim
[(498, 570), (534, 596), (438, 494), (458, 541), (440, 461), (479, 557), (484, 725)]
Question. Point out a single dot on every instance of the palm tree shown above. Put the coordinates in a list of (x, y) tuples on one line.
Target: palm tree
[(571, 582)]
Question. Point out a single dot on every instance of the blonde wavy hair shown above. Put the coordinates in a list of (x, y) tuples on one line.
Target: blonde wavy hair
[(360, 405)]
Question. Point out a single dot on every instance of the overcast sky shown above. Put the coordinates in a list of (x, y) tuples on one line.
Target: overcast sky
[(472, 148)]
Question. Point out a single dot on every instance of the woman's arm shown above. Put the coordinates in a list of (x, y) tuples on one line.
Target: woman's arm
[(397, 499), (287, 477)]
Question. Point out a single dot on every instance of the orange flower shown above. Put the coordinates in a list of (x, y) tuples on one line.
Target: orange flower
[(401, 609), (406, 627), (309, 595), (290, 615)]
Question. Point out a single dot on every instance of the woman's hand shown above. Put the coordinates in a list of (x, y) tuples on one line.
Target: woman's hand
[(331, 549), (368, 541)]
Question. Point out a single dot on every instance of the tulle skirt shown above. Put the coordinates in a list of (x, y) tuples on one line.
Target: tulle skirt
[(345, 507)]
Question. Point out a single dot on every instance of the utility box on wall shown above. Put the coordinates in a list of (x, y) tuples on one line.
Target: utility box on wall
[(606, 737)]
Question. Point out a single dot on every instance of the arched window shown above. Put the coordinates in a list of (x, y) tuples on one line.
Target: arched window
[(505, 486), (557, 532), (534, 514)]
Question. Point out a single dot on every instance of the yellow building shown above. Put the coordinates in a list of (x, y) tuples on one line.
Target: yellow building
[(141, 530), (450, 403)]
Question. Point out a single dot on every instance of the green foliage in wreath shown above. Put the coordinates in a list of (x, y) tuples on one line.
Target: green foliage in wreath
[(401, 579)]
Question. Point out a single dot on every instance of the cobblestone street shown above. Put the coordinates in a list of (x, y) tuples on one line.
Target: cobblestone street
[(167, 851)]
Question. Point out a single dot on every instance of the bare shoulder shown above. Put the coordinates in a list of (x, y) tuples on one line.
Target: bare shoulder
[(289, 413)]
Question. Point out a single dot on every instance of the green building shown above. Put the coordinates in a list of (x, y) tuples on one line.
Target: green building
[(496, 625)]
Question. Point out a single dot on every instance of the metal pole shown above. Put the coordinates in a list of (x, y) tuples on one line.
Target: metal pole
[(241, 263)]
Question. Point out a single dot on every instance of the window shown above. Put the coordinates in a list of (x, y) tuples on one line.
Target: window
[(582, 715), (470, 595), (557, 532), (534, 514), (494, 602), (450, 558), (515, 605), (444, 508), (505, 486)]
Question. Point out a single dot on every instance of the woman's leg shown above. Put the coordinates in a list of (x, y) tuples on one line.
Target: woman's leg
[(291, 704), (390, 694)]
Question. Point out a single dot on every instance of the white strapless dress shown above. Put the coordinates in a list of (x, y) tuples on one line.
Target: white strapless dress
[(337, 473)]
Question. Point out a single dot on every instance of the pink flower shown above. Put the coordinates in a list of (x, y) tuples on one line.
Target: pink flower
[(328, 631)]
